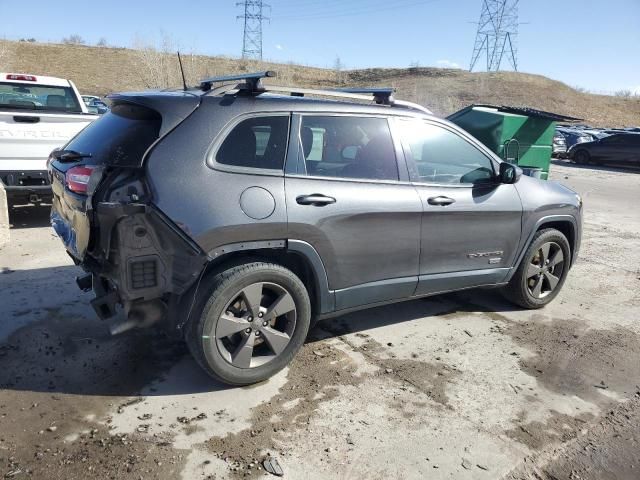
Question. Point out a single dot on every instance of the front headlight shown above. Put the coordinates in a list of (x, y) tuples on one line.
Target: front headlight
[(579, 199)]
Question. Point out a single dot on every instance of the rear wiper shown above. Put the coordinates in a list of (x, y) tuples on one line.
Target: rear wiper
[(69, 155)]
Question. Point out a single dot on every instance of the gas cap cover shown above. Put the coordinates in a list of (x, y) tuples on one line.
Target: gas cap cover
[(257, 203)]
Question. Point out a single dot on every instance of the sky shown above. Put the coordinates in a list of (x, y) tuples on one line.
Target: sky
[(585, 43)]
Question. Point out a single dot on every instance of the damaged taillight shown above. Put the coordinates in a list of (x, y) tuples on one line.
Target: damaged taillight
[(79, 178)]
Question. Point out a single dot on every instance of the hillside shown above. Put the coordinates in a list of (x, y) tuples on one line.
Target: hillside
[(100, 70)]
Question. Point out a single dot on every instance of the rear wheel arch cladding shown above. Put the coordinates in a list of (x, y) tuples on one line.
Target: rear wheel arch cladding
[(292, 259), (325, 297)]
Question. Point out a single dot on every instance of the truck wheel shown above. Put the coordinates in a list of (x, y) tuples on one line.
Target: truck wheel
[(542, 271), (251, 320), (582, 157)]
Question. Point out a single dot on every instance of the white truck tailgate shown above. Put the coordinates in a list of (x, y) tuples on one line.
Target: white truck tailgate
[(27, 138)]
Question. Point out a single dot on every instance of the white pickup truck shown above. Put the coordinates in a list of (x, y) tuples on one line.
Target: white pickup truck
[(37, 114)]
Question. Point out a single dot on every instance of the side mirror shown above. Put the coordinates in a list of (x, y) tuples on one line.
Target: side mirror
[(509, 173)]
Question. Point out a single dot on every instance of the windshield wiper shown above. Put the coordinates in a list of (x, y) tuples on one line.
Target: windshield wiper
[(69, 155)]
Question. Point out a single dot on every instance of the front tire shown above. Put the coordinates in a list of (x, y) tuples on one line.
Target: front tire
[(582, 157), (251, 320), (542, 272)]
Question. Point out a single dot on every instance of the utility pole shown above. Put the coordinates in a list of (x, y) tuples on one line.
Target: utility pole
[(497, 34), (253, 17)]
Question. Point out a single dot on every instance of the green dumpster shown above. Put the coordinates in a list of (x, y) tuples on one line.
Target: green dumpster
[(519, 135)]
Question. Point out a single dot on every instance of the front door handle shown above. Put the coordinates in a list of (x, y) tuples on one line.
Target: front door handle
[(440, 201), (315, 199)]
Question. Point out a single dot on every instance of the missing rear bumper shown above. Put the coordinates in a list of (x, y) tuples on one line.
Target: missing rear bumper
[(139, 264)]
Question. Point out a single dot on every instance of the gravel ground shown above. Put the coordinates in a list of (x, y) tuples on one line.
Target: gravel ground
[(457, 386)]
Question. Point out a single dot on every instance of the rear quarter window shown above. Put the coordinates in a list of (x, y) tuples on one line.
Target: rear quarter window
[(257, 142), (120, 137)]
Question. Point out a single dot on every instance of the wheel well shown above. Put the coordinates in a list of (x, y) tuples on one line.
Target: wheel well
[(567, 230), (295, 262), (581, 150)]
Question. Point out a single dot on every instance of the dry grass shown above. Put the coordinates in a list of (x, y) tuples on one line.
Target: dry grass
[(99, 70)]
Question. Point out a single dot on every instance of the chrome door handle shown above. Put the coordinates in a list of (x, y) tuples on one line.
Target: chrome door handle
[(440, 201), (315, 199)]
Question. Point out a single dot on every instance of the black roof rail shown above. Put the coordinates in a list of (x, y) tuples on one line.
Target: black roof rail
[(252, 81), (381, 95)]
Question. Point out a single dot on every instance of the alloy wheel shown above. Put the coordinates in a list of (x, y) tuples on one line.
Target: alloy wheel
[(256, 325), (545, 270)]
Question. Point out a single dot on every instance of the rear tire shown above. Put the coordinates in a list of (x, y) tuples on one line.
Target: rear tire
[(249, 323), (542, 272)]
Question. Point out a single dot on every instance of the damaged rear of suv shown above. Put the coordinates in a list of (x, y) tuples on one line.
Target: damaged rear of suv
[(136, 258), (237, 215)]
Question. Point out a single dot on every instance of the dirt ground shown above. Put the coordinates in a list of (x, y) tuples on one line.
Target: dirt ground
[(457, 386)]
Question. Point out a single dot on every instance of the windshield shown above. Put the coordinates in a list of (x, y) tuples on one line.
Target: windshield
[(22, 96)]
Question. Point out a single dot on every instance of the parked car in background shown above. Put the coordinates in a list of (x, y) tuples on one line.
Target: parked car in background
[(95, 104), (87, 99), (573, 136), (100, 106), (284, 210), (37, 114), (559, 145), (621, 148)]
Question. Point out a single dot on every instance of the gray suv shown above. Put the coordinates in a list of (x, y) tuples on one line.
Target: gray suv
[(237, 216)]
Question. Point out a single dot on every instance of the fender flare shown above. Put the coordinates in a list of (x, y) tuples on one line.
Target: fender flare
[(550, 218), (327, 301), (326, 297)]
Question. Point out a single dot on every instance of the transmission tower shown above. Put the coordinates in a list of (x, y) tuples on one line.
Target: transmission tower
[(253, 17), (497, 34)]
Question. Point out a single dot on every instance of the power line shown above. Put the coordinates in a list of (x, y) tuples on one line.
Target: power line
[(497, 34), (253, 17)]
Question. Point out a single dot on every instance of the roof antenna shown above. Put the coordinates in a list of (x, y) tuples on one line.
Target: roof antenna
[(184, 82)]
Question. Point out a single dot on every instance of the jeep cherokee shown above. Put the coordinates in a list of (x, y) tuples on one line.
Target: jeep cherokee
[(238, 215)]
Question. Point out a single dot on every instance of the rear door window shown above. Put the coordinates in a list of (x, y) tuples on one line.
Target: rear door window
[(257, 142), (347, 147), (120, 137)]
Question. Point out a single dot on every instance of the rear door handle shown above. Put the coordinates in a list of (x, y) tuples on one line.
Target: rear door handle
[(440, 201), (315, 199)]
